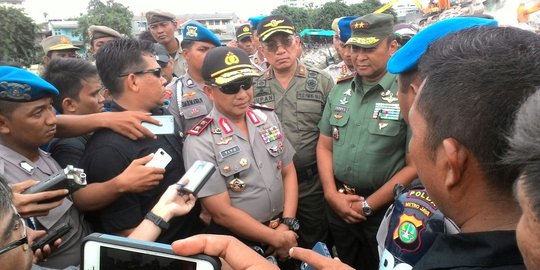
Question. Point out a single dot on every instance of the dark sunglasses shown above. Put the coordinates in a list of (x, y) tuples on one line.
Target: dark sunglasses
[(234, 87), (155, 71), (273, 45)]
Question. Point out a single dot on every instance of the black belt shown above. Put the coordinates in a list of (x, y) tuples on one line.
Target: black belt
[(306, 172), (351, 190)]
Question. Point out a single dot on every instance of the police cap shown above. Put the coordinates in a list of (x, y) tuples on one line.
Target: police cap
[(223, 65), (274, 24), (156, 15), (369, 30), (254, 21), (197, 32), (406, 58), (19, 85), (243, 31), (57, 43), (99, 31)]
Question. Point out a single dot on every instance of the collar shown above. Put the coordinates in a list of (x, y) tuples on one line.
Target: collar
[(301, 71), (16, 159), (115, 107), (385, 82), (189, 82)]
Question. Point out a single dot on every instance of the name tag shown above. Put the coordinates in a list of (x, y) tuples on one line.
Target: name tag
[(229, 152), (386, 111)]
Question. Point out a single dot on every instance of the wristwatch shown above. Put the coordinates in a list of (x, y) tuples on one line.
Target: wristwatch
[(368, 211), (157, 220), (293, 223)]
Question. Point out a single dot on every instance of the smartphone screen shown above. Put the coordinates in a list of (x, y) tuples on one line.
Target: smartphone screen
[(167, 124), (111, 259)]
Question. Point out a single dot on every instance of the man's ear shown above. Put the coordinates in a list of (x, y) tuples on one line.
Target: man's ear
[(4, 125), (69, 105), (132, 83), (456, 156), (208, 91)]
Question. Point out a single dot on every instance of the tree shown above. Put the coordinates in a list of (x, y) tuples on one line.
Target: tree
[(18, 32), (329, 11), (110, 13), (368, 6), (300, 16)]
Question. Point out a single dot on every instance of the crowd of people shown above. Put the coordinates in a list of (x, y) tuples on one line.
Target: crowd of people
[(415, 151)]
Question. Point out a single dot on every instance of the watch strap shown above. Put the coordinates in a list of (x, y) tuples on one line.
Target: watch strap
[(157, 220), (293, 223)]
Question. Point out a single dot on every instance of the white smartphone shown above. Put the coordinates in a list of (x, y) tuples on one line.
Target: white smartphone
[(197, 175), (109, 252), (160, 160), (167, 124)]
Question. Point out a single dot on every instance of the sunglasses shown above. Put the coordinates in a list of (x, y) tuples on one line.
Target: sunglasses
[(235, 86), (273, 45), (155, 71)]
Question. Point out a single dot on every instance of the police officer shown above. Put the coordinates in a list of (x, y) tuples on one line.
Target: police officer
[(361, 151), (253, 193), (244, 38), (99, 35), (189, 103), (58, 46), (257, 58), (162, 25), (298, 94), (345, 67)]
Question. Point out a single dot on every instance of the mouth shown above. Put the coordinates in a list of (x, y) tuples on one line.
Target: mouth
[(51, 132)]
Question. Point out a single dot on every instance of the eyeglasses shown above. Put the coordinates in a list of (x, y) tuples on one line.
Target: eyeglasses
[(19, 227), (235, 86), (273, 45), (155, 71)]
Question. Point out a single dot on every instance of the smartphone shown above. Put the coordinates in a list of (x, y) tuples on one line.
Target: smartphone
[(51, 236), (160, 160), (109, 252), (167, 124), (320, 248), (197, 174)]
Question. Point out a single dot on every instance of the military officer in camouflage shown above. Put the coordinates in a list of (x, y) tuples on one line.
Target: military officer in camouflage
[(189, 103), (298, 95), (253, 193), (361, 152)]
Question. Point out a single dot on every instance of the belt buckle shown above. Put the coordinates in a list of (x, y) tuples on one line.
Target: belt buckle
[(274, 223), (347, 190)]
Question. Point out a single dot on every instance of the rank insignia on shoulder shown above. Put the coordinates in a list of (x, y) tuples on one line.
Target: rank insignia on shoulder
[(260, 107), (198, 128), (346, 78)]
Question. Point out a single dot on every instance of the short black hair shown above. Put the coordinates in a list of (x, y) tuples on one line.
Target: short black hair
[(118, 57), (67, 74), (475, 81), (525, 149), (405, 79), (187, 44)]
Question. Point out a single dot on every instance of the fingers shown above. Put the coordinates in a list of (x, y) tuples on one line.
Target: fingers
[(143, 160), (22, 186), (310, 257)]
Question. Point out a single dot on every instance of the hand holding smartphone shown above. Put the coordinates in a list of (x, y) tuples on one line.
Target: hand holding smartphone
[(52, 236), (167, 125)]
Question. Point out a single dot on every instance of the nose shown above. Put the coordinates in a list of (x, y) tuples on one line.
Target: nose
[(50, 118)]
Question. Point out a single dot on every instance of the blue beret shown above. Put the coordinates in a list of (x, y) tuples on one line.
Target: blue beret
[(344, 25), (196, 31), (17, 84), (254, 21), (407, 57)]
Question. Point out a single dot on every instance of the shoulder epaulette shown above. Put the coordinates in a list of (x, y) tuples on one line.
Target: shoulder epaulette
[(346, 78), (198, 128), (260, 107)]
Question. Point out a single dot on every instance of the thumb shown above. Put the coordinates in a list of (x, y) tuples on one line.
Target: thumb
[(143, 160)]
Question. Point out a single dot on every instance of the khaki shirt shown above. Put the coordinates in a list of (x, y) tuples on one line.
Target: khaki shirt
[(299, 107), (338, 71), (180, 65), (369, 134), (256, 160), (194, 103)]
